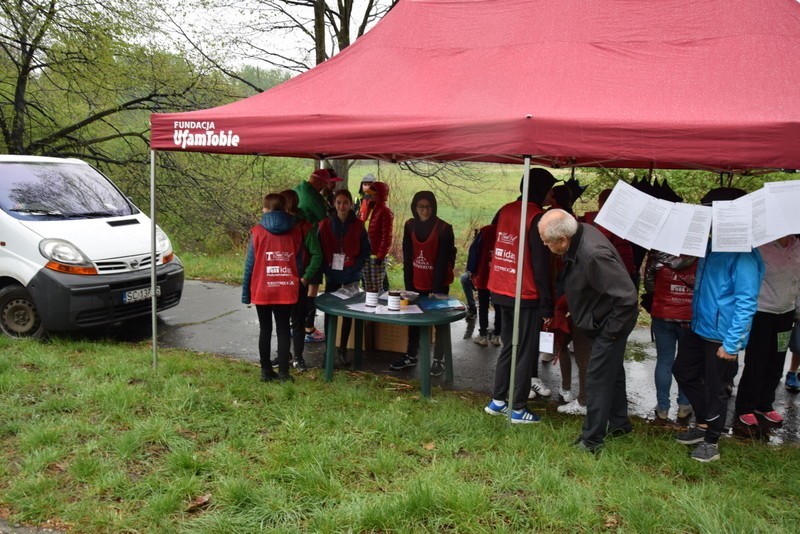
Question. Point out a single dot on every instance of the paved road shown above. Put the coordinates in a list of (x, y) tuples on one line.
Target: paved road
[(211, 318)]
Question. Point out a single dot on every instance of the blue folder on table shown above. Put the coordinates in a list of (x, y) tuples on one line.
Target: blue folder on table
[(436, 304)]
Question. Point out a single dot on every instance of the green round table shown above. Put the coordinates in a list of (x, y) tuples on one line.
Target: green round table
[(335, 307)]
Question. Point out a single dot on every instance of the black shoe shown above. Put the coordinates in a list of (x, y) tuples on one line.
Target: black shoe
[(619, 431), (585, 447), (343, 361), (402, 363), (285, 377), (692, 436), (268, 375), (300, 364), (437, 368)]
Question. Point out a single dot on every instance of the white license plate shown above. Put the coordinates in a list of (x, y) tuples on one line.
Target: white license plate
[(137, 295)]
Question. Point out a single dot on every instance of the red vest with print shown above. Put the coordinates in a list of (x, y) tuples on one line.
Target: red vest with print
[(672, 296), (623, 246), (503, 271), (425, 258), (304, 227), (275, 271), (349, 244), (481, 278)]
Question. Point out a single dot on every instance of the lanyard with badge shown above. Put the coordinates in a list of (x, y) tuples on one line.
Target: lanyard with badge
[(338, 258)]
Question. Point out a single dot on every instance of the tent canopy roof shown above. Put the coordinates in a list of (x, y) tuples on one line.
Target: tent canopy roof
[(618, 83)]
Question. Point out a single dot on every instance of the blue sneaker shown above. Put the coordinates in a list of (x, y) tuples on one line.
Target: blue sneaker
[(494, 408), (792, 382), (524, 416)]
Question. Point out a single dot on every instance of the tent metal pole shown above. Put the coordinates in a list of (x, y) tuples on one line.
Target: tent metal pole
[(153, 259), (518, 292)]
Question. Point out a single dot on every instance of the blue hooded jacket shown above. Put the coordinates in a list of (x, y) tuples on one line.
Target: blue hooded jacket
[(726, 297)]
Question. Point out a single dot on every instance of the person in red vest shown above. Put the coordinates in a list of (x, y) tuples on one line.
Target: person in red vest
[(271, 280), (345, 248), (624, 247), (428, 260), (669, 282), (312, 263), (379, 220), (536, 298)]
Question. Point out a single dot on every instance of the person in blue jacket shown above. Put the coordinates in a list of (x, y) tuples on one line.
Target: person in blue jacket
[(724, 303)]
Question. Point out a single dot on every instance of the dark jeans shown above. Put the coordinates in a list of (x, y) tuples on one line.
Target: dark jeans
[(763, 362), (299, 311), (667, 335), (484, 298), (281, 312), (702, 375), (530, 321), (606, 394)]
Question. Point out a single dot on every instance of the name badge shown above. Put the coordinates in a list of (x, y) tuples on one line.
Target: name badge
[(338, 262), (546, 340)]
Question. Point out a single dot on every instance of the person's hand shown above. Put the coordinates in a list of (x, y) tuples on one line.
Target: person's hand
[(547, 321), (725, 355), (304, 281), (440, 296)]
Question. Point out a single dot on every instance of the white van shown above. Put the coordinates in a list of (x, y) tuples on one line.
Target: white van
[(74, 251)]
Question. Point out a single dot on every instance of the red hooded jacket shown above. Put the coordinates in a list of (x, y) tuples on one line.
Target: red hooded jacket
[(381, 222)]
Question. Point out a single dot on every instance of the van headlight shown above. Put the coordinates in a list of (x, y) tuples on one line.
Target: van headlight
[(65, 257), (164, 246)]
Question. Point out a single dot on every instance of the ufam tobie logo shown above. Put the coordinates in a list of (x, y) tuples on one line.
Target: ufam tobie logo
[(183, 134)]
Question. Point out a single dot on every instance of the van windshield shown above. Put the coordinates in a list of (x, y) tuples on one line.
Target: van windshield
[(59, 190)]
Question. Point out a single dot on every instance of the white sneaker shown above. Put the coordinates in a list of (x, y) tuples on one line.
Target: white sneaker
[(538, 386), (546, 356), (573, 408), (566, 394)]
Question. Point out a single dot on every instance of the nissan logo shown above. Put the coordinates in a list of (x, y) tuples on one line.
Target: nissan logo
[(134, 264)]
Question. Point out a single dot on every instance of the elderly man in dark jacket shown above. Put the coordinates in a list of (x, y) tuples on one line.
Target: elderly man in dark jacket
[(604, 305)]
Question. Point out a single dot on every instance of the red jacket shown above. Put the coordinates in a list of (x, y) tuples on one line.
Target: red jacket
[(480, 278), (503, 272), (381, 222)]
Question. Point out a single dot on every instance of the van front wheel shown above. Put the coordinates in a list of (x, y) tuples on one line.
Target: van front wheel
[(18, 315)]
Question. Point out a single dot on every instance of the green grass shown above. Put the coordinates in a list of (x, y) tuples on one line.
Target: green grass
[(93, 439)]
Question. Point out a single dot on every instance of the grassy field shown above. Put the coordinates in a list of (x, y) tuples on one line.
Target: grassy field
[(92, 439)]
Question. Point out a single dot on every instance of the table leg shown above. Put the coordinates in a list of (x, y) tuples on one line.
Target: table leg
[(448, 352), (330, 344), (425, 360), (358, 342)]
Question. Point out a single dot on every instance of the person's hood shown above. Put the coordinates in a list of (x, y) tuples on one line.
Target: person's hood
[(540, 181), (381, 192), (424, 195), (277, 222)]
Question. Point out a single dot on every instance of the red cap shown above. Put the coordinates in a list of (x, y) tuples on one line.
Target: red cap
[(326, 175)]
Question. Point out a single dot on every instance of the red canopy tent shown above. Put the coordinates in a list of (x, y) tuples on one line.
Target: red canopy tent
[(620, 83)]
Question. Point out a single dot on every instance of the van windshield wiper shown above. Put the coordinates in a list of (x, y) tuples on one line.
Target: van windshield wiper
[(48, 213), (89, 214)]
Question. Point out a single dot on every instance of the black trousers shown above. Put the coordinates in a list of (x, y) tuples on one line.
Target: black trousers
[(763, 362), (484, 297), (530, 321), (606, 393), (281, 312), (299, 311), (703, 377), (412, 348)]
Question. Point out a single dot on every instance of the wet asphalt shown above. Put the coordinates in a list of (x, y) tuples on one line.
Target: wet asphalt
[(212, 319)]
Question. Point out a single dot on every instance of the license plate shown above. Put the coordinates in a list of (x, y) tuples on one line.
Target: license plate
[(136, 295)]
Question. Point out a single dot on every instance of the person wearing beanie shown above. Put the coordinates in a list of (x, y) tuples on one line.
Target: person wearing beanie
[(362, 206), (723, 305), (536, 300)]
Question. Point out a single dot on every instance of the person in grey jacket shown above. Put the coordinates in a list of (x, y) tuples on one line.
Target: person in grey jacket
[(604, 306)]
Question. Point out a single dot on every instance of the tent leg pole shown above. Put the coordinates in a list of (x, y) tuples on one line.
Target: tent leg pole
[(153, 262), (518, 292)]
